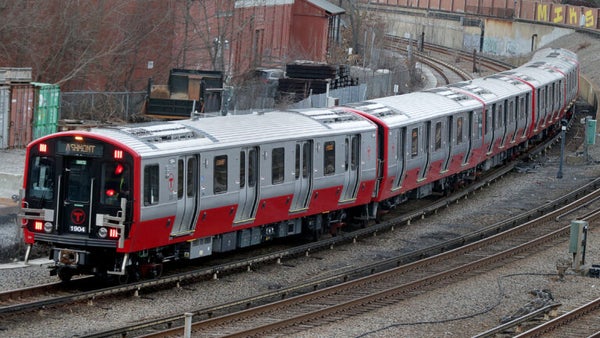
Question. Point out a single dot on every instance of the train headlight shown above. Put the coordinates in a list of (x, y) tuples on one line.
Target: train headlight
[(48, 227), (102, 232)]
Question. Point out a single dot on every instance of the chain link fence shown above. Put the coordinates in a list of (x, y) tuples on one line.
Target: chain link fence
[(102, 106), (121, 107)]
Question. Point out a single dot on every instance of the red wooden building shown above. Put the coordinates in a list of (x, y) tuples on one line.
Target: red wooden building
[(237, 36), (118, 45)]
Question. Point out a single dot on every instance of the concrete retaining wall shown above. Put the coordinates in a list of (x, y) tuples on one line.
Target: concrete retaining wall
[(500, 37)]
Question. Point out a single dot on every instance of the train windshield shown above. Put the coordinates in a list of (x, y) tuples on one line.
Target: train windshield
[(79, 180), (41, 179)]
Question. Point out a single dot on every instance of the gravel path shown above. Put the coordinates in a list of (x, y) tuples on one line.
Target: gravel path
[(459, 310)]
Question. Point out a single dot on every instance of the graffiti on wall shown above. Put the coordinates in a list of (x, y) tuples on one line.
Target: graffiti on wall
[(567, 15)]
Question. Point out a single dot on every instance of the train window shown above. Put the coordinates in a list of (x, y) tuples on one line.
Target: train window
[(477, 120), (511, 112), (277, 165), (242, 169), (115, 183), (414, 147), (329, 158), (151, 184), (553, 95), (488, 120), (521, 113), (180, 178), (500, 116), (560, 98), (347, 153), (78, 180), (438, 135), (306, 157), (220, 174), (41, 179), (459, 130), (355, 152), (191, 177), (252, 167)]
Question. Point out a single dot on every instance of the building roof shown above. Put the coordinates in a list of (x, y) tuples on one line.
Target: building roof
[(327, 6)]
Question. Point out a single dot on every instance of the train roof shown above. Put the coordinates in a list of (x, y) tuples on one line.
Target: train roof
[(553, 54), (232, 130), (418, 106), (406, 109), (277, 126)]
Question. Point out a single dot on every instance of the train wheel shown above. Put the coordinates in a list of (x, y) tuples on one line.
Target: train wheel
[(158, 270), (123, 279), (65, 274), (316, 234), (132, 275)]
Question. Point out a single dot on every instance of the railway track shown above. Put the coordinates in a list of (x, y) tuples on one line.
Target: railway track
[(88, 289), (446, 72), (580, 322), (368, 293), (224, 309)]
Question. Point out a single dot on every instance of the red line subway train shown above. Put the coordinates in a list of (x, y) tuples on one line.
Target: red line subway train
[(123, 200)]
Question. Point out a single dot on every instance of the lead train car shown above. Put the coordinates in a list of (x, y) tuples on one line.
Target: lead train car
[(135, 196), (123, 200)]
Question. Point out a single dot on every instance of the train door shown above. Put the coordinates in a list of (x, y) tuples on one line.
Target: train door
[(427, 151), (463, 132), (490, 125), (450, 144), (399, 157), (501, 123), (187, 194), (77, 185), (249, 187), (352, 165), (303, 175), (512, 119), (525, 115), (474, 134)]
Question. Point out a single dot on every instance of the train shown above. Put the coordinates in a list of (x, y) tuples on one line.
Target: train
[(120, 201)]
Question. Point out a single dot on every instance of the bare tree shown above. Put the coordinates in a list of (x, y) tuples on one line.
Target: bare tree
[(82, 44), (207, 33)]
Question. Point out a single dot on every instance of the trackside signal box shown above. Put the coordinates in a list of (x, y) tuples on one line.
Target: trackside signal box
[(590, 131), (577, 243)]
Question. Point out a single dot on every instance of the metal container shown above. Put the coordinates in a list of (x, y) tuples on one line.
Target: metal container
[(22, 100), (4, 115), (46, 111), (13, 74)]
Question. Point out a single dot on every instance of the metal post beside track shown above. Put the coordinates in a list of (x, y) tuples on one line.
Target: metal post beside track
[(187, 332)]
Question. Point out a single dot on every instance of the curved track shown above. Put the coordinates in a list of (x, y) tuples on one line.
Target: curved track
[(446, 72), (295, 314)]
